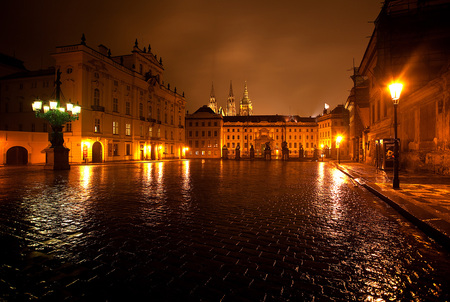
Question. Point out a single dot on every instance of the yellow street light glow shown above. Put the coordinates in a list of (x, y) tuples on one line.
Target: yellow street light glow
[(37, 105), (69, 106), (396, 90), (62, 109), (46, 108), (339, 139), (53, 105)]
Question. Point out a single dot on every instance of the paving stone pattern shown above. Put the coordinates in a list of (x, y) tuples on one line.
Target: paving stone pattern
[(208, 231)]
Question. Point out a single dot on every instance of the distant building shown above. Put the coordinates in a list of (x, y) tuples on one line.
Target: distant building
[(411, 44), (204, 133), (128, 112), (330, 126), (245, 105), (300, 134)]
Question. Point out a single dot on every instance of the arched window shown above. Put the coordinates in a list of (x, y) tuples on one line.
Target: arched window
[(96, 97)]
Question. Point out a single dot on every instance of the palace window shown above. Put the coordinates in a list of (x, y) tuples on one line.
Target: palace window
[(128, 129), (96, 97), (128, 108), (115, 105), (115, 128)]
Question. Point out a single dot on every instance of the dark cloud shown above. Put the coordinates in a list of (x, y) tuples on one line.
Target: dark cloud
[(294, 55)]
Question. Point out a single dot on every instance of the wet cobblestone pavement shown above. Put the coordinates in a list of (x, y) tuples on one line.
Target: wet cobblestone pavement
[(208, 231)]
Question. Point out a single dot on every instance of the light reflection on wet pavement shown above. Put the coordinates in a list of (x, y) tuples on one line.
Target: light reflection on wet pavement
[(211, 231)]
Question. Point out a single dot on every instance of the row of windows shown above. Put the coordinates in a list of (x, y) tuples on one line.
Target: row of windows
[(203, 124), (276, 130), (276, 137), (328, 124), (115, 130), (234, 145), (208, 133), (34, 84), (115, 103), (203, 144)]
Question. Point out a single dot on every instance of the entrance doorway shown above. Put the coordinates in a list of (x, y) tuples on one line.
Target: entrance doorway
[(97, 152), (17, 156)]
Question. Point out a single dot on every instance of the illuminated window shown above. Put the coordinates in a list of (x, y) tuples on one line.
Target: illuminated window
[(97, 125), (115, 128), (150, 131), (128, 129)]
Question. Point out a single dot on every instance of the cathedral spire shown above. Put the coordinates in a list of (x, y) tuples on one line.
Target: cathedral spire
[(212, 100), (246, 105), (231, 106)]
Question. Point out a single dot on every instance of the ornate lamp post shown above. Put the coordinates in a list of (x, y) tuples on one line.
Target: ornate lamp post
[(57, 156), (321, 151), (396, 89), (338, 145)]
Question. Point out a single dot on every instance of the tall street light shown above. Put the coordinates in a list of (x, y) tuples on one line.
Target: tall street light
[(57, 156), (396, 89), (338, 145)]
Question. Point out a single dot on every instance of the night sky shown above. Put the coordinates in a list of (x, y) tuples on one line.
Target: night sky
[(295, 55)]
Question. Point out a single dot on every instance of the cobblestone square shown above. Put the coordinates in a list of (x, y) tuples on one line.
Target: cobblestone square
[(208, 231)]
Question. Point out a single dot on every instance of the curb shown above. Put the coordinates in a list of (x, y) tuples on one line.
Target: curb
[(427, 228)]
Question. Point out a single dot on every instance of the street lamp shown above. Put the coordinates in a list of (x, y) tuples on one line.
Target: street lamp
[(338, 143), (396, 89), (321, 151), (56, 116)]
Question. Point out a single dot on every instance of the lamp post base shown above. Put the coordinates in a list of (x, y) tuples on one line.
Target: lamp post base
[(57, 158)]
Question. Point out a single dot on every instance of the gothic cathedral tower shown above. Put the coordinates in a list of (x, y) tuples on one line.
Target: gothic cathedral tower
[(231, 106), (212, 100), (246, 105)]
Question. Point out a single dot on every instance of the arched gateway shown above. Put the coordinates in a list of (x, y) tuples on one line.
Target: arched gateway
[(17, 156)]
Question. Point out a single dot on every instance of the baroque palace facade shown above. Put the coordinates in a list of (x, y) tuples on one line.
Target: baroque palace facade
[(210, 131), (128, 113)]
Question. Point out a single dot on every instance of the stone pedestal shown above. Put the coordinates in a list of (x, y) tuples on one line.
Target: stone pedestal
[(225, 152), (57, 158), (285, 154), (252, 153)]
